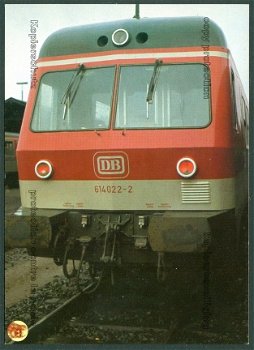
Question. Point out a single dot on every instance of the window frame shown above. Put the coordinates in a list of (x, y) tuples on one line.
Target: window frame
[(162, 128), (74, 70)]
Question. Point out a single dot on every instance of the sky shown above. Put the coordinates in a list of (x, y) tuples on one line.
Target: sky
[(232, 18)]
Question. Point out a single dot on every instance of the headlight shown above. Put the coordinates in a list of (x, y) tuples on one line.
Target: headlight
[(43, 169), (186, 167)]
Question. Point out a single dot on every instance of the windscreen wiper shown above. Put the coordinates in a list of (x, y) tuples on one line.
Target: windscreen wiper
[(71, 90), (153, 81)]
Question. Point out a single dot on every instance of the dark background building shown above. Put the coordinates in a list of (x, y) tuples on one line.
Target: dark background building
[(13, 114)]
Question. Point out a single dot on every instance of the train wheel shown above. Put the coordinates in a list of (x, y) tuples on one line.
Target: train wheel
[(223, 249), (89, 275), (243, 247), (243, 238), (68, 271), (59, 248)]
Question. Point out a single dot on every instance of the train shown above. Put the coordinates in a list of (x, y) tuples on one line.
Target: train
[(11, 168), (133, 147)]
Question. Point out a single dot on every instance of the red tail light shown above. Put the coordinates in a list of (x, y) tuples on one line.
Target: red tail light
[(43, 169), (186, 167)]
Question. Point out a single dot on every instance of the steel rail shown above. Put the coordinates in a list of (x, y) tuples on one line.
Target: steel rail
[(48, 323)]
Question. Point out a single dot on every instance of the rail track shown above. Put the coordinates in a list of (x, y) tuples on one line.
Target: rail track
[(135, 310), (102, 317), (50, 322)]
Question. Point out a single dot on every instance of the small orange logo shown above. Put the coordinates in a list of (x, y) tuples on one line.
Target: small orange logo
[(17, 330)]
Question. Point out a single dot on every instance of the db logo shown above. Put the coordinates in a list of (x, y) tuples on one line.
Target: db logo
[(111, 164)]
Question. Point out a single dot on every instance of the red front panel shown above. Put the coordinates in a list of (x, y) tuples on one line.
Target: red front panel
[(149, 154), (141, 161)]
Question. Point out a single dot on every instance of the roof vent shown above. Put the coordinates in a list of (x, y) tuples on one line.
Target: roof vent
[(103, 40), (142, 37)]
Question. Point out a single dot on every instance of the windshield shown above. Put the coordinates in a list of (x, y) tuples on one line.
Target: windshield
[(149, 96), (56, 108), (163, 96)]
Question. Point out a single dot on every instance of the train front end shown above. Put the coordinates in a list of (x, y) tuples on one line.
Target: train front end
[(125, 152)]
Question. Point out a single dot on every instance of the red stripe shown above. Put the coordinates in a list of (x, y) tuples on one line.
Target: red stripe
[(151, 157), (143, 164), (119, 52)]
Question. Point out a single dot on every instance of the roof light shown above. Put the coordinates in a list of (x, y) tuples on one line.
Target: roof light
[(120, 37), (43, 169), (186, 167)]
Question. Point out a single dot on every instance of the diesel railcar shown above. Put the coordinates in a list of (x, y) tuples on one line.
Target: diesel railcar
[(134, 143), (10, 162)]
